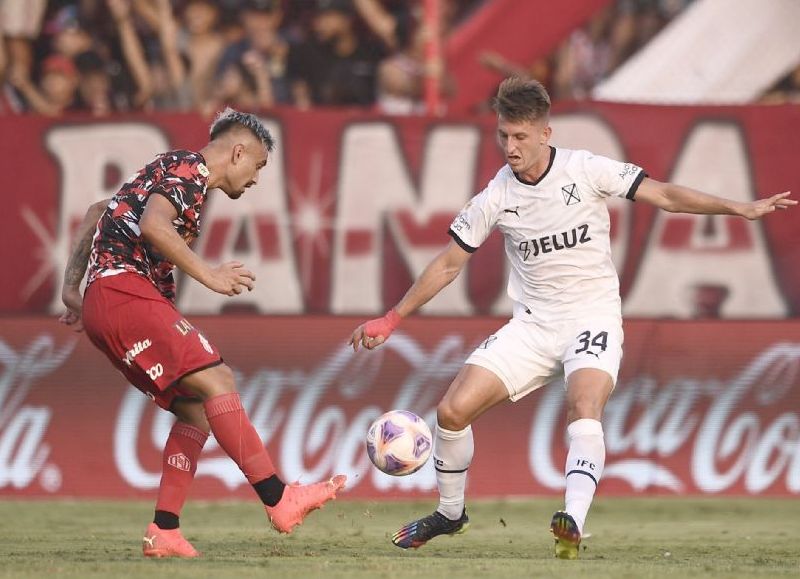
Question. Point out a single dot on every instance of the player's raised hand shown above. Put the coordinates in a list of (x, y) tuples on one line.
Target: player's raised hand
[(757, 209), (229, 279), (375, 332)]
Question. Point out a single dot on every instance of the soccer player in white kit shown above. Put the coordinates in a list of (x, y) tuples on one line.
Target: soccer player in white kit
[(549, 205)]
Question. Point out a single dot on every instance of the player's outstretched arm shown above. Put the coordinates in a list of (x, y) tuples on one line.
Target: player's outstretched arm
[(444, 268), (679, 199), (76, 266), (157, 229)]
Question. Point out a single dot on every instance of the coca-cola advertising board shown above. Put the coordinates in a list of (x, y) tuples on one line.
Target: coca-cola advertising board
[(700, 408)]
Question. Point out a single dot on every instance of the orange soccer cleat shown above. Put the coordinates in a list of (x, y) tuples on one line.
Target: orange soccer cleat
[(299, 500), (166, 543)]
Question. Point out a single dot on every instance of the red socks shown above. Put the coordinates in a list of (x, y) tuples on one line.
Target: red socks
[(237, 437), (179, 464)]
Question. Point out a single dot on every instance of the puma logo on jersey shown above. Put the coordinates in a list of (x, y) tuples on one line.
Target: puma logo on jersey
[(555, 242), (515, 211)]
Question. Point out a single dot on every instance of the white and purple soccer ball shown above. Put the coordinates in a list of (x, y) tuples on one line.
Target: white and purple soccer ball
[(399, 443)]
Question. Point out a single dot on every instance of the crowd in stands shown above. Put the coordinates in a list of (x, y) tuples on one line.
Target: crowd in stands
[(103, 56)]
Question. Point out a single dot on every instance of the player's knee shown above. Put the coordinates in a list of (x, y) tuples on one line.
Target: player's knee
[(584, 407), (450, 417), (211, 382), (191, 412)]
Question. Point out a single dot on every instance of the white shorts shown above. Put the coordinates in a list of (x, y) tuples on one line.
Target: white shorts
[(527, 355)]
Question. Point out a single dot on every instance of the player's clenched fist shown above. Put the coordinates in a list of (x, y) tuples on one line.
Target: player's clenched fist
[(229, 278), (375, 332)]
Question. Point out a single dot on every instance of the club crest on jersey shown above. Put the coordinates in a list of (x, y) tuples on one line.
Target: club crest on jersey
[(571, 195)]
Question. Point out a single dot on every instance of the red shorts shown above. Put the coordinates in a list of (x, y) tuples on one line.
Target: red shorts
[(144, 336)]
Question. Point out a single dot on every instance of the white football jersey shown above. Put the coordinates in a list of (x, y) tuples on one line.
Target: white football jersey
[(556, 233)]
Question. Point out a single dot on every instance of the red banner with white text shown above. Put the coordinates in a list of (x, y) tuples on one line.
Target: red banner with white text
[(700, 408), (352, 206)]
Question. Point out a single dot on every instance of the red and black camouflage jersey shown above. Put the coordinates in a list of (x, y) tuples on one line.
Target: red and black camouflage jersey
[(181, 177)]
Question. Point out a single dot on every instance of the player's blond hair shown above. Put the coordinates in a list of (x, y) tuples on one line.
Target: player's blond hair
[(520, 99)]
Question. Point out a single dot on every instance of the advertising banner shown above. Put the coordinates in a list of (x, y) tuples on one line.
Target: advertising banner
[(701, 408), (352, 206)]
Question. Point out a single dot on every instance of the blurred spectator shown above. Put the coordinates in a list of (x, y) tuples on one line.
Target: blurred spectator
[(58, 88), (21, 22), (202, 47), (94, 89), (257, 64), (592, 52), (334, 67), (402, 75), (584, 59)]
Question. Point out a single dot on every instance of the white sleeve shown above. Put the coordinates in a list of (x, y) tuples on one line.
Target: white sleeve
[(610, 178), (476, 220)]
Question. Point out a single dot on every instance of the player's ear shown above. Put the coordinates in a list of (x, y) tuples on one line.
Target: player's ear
[(546, 134), (237, 153)]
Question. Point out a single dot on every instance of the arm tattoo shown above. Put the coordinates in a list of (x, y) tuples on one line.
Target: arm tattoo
[(79, 260)]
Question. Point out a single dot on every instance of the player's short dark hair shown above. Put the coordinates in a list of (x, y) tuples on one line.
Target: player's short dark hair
[(520, 99), (230, 119)]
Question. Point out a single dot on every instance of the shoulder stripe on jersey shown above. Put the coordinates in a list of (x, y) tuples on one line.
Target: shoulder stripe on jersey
[(635, 185), (543, 175), (461, 244)]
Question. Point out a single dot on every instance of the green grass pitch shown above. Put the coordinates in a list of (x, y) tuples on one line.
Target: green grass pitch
[(631, 538)]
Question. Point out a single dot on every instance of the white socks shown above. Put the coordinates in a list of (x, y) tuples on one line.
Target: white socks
[(452, 454), (585, 460)]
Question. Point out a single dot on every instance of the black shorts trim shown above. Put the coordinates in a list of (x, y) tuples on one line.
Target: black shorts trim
[(635, 185), (195, 370), (461, 244), (590, 475)]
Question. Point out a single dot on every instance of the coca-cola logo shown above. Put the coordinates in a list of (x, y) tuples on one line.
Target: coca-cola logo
[(24, 453), (647, 422), (314, 414)]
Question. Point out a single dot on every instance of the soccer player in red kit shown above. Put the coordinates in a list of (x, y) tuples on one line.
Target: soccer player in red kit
[(132, 243)]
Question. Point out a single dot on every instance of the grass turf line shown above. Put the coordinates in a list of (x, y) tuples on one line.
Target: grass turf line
[(636, 538)]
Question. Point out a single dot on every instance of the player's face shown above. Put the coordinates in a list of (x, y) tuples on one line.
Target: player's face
[(525, 145), (247, 160)]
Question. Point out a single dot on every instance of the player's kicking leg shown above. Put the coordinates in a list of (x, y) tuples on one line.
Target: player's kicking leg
[(285, 505), (473, 391)]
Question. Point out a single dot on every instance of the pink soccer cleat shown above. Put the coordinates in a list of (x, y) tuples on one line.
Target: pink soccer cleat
[(160, 543), (299, 500)]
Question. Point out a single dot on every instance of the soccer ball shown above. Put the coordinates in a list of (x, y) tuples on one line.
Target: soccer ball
[(399, 443)]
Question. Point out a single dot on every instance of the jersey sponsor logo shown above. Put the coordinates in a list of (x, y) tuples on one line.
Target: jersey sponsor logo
[(180, 461), (183, 326), (155, 371), (137, 349), (515, 211), (570, 193), (460, 222), (206, 346), (554, 242), (628, 169)]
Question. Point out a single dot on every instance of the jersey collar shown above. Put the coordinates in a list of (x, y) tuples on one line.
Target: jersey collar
[(543, 175)]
